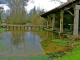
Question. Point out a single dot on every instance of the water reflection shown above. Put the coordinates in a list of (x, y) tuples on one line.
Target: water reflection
[(33, 45), (22, 43)]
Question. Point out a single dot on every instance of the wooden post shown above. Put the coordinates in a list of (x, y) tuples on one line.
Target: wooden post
[(50, 22), (76, 21), (47, 21), (61, 21), (53, 22)]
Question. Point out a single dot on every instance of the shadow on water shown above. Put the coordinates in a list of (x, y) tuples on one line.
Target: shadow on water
[(21, 43)]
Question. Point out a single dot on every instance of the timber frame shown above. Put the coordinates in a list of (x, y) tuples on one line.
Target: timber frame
[(72, 8)]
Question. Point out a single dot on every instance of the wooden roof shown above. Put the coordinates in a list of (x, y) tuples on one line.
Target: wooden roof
[(57, 8)]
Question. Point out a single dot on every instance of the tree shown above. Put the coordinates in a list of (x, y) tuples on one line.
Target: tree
[(35, 18), (18, 14), (58, 1), (1, 9)]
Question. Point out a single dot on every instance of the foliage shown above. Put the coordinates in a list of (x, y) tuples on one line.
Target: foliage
[(19, 16), (35, 18), (17, 13), (55, 55), (60, 42), (0, 17), (58, 1)]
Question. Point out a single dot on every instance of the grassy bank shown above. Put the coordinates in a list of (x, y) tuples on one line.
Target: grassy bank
[(2, 29), (39, 57), (73, 55), (60, 42)]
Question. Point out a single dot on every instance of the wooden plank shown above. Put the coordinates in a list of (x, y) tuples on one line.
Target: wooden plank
[(70, 13)]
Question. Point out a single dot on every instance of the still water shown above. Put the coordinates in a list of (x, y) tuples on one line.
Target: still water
[(21, 43), (26, 43)]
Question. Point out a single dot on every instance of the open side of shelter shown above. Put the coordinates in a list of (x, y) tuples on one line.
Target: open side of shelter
[(64, 17)]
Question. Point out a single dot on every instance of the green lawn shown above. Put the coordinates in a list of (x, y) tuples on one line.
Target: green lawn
[(75, 55)]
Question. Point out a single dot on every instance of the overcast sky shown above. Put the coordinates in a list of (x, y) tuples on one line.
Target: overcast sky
[(42, 4)]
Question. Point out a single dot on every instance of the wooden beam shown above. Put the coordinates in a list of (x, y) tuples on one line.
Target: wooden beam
[(77, 7), (51, 15), (70, 13)]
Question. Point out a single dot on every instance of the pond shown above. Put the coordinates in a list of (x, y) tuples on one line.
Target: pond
[(25, 43)]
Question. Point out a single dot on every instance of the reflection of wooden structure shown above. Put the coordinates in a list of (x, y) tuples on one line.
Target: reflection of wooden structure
[(65, 14), (24, 27)]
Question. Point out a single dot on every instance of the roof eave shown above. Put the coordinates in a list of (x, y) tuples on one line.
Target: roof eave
[(57, 8)]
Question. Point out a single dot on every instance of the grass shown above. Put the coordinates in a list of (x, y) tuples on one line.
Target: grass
[(0, 40), (60, 42), (39, 57), (75, 55), (2, 29), (2, 47), (46, 44)]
